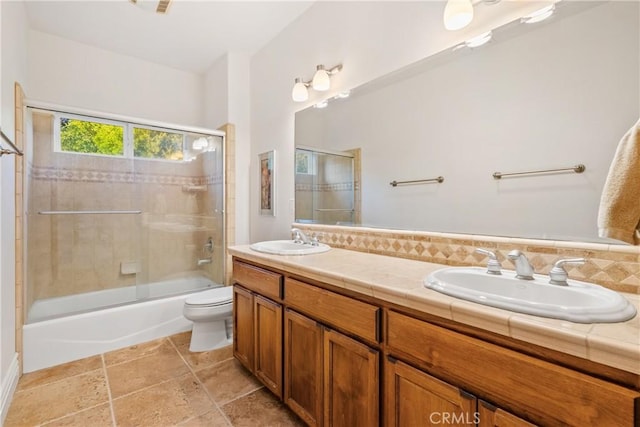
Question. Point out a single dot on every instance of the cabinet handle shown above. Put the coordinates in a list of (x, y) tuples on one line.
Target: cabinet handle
[(392, 359), (488, 405)]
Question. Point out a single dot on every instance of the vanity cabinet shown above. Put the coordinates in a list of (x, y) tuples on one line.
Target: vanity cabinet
[(415, 398), (331, 379), (490, 416), (257, 323), (338, 359)]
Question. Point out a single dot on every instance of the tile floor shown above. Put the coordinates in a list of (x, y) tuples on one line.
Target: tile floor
[(159, 383)]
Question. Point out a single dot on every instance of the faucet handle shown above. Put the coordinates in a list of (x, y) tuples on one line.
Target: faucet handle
[(493, 266), (558, 275), (315, 238)]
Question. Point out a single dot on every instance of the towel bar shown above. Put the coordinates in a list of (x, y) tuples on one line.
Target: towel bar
[(577, 169), (416, 181), (14, 149)]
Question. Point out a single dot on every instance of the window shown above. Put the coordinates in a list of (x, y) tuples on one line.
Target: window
[(157, 144), (304, 162), (91, 135), (96, 137)]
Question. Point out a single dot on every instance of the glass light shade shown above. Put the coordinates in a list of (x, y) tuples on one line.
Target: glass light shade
[(457, 14), (321, 80), (299, 92)]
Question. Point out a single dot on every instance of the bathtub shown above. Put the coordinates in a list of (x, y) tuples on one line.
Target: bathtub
[(50, 340)]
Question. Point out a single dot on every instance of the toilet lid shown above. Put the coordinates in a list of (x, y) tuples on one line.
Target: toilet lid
[(216, 296)]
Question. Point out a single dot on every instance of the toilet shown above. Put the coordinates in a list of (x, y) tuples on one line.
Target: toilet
[(211, 314)]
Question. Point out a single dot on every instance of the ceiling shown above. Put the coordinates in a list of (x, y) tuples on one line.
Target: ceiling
[(190, 37)]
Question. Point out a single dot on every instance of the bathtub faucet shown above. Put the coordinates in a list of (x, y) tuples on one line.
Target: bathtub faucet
[(204, 261)]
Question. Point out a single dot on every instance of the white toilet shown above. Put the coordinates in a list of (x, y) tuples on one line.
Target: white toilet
[(210, 311)]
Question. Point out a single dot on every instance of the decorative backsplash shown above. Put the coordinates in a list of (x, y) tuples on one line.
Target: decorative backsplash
[(613, 266)]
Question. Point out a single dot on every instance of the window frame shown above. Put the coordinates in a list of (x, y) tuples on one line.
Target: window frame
[(127, 143), (127, 137)]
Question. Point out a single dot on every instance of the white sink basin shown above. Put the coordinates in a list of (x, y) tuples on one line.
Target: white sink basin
[(579, 302), (288, 247)]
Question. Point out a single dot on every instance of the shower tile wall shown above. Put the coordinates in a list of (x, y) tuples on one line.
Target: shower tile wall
[(72, 254), (331, 187)]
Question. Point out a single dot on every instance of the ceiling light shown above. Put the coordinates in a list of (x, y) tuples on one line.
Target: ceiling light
[(300, 92), (457, 14), (539, 15), (479, 40)]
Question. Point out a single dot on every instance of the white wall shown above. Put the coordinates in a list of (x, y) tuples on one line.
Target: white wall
[(69, 73), (226, 100), (13, 42), (554, 96), (370, 39)]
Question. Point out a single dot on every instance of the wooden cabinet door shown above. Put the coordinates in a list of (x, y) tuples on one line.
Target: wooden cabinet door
[(350, 372), (415, 399), (303, 367), (267, 332), (243, 326), (490, 416)]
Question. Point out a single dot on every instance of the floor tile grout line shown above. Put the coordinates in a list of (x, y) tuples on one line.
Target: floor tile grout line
[(106, 378), (201, 385), (70, 414), (59, 380), (137, 357), (244, 395)]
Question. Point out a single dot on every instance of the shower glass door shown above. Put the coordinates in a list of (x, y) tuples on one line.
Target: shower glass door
[(324, 187), (118, 212)]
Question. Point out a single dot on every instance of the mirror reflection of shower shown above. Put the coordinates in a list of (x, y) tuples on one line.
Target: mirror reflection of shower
[(326, 186), (118, 212)]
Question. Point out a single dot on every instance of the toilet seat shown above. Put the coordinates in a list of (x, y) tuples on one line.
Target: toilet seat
[(211, 298)]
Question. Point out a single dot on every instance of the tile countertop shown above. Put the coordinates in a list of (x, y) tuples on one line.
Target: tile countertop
[(399, 281)]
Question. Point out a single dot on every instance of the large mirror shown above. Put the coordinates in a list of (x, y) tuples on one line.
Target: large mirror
[(542, 96)]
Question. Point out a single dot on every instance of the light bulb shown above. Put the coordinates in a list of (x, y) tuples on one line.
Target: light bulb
[(299, 92), (321, 80), (457, 14)]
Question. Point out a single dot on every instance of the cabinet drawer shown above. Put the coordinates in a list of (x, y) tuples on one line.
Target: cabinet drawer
[(543, 392), (344, 313), (262, 281)]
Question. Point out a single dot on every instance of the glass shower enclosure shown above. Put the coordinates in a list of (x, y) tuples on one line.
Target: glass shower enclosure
[(325, 188), (118, 212)]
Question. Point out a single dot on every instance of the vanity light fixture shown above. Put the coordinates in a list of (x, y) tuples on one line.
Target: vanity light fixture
[(459, 13), (321, 82), (539, 15), (300, 92)]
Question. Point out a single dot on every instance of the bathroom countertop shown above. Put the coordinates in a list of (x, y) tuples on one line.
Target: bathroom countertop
[(399, 281)]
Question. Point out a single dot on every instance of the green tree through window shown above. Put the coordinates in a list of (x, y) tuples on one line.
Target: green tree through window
[(82, 136), (157, 144), (91, 137)]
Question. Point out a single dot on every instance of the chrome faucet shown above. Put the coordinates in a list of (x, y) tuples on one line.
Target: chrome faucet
[(204, 261), (524, 270), (299, 236), (493, 266), (558, 275)]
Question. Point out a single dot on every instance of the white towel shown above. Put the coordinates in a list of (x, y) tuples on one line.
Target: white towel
[(619, 213)]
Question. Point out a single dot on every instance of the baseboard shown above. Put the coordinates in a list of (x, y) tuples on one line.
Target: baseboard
[(9, 384)]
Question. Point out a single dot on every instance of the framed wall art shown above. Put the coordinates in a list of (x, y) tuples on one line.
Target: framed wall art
[(267, 183)]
